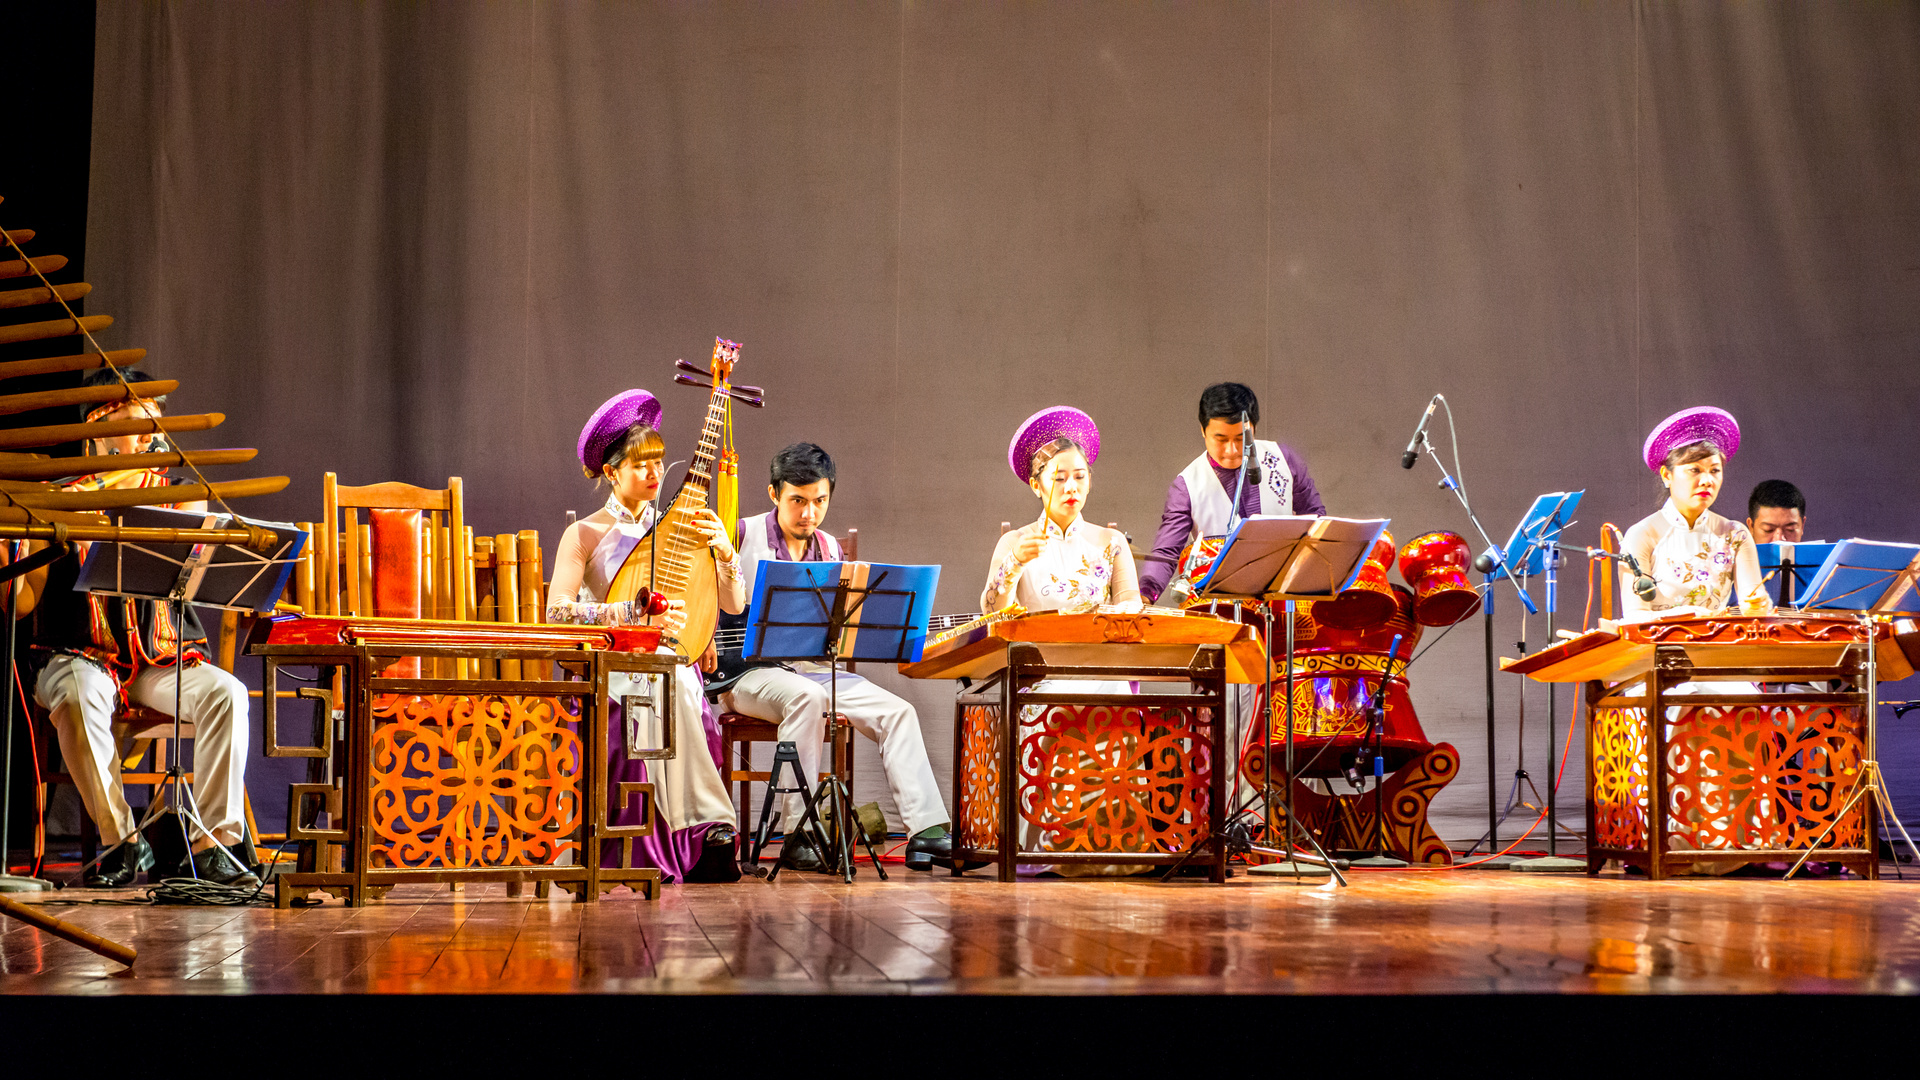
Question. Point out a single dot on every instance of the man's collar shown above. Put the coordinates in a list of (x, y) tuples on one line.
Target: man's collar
[(816, 549)]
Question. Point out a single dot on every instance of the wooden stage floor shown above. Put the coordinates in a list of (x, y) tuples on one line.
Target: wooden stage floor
[(1476, 932)]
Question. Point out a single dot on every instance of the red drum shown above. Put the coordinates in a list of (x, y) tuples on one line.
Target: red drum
[(1435, 564), (1369, 602), (1334, 676), (1196, 562)]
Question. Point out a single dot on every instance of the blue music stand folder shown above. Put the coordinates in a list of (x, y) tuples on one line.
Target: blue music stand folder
[(878, 610), (1867, 575), (1804, 560), (1525, 553)]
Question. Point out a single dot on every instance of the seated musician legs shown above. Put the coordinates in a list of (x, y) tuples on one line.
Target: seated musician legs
[(798, 703), (80, 697), (215, 703)]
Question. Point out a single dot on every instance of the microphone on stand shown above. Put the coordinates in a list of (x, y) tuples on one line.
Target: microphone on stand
[(1643, 585), (1413, 445), (1247, 461)]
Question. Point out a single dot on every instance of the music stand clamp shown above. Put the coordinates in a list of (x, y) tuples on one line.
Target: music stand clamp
[(825, 612), (1288, 559), (206, 575), (1865, 578)]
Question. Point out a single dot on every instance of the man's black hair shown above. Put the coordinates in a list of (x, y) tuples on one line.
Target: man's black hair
[(1226, 401), (801, 464), (1778, 494)]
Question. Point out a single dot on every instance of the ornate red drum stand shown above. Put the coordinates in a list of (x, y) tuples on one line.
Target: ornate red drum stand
[(1336, 672)]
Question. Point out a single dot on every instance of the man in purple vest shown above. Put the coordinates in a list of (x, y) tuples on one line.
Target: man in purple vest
[(1199, 502)]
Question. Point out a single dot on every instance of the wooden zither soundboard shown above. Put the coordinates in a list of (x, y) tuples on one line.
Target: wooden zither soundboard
[(35, 309)]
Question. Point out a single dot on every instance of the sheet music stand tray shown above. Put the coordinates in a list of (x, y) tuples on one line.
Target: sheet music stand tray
[(1866, 578), (825, 612), (1287, 559), (206, 575)]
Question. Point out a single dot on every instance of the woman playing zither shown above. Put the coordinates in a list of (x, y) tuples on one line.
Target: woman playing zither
[(1699, 561), (621, 446), (1060, 562)]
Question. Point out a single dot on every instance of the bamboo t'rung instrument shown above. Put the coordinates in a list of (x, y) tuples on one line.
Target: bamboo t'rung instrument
[(44, 311)]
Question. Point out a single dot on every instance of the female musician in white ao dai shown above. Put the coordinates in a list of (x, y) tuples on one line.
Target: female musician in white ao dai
[(694, 825), (1061, 563)]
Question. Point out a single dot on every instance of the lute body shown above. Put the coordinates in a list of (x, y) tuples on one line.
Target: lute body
[(674, 558)]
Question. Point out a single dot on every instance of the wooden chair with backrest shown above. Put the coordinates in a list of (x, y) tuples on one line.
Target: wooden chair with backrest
[(408, 560), (739, 733)]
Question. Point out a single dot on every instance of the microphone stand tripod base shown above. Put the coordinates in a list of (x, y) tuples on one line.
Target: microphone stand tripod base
[(1380, 862), (1498, 862), (1551, 864), (10, 883)]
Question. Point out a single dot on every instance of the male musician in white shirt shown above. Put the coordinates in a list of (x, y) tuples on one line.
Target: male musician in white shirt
[(796, 695)]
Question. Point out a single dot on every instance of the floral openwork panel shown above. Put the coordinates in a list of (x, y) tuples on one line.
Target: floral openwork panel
[(1115, 778), (475, 780), (1754, 776), (978, 820), (1618, 786)]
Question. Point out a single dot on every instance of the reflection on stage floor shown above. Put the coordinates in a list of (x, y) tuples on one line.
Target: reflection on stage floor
[(1401, 932)]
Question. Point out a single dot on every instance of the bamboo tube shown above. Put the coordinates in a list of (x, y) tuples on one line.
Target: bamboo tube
[(532, 604), (84, 395), (506, 586), (256, 538), (86, 939), (14, 298), (483, 607), (48, 365), (53, 328), (106, 429), (23, 467), (45, 264), (303, 571), (117, 498), (349, 549)]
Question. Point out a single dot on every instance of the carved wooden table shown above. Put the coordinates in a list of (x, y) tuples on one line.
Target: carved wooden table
[(1097, 778), (1734, 777), (460, 779)]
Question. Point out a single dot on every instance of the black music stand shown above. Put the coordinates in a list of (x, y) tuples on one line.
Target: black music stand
[(204, 575), (824, 612), (1268, 558), (1864, 578)]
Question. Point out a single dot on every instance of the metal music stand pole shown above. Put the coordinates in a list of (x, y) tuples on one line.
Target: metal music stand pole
[(1489, 565)]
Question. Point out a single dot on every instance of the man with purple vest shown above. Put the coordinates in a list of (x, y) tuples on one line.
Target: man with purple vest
[(1199, 502)]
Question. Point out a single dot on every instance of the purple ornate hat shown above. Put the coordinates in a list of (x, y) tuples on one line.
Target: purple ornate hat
[(1707, 423), (1046, 426), (610, 421)]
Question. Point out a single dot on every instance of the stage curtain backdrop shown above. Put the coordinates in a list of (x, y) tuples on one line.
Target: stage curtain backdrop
[(409, 241)]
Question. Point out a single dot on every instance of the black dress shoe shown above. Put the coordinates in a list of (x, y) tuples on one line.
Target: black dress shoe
[(217, 864), (927, 852), (117, 869), (717, 865), (798, 853)]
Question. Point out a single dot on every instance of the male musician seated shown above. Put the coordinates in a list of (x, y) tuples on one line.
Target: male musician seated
[(796, 696), (1776, 513), (1200, 500), (105, 650)]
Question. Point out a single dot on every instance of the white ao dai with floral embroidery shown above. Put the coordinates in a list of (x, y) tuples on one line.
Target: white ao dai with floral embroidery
[(1085, 566), (1704, 566)]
